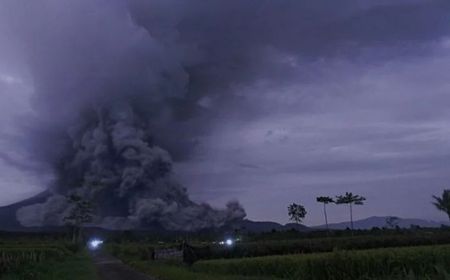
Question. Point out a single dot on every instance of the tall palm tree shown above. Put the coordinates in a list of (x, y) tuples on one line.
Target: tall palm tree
[(443, 203), (350, 199), (325, 200)]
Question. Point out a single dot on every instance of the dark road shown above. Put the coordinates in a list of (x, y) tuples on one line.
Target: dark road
[(110, 268)]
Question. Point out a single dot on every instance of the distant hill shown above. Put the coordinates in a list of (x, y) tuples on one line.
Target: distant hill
[(261, 226), (380, 222), (8, 221)]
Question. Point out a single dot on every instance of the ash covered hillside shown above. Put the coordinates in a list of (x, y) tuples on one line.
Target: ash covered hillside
[(113, 162)]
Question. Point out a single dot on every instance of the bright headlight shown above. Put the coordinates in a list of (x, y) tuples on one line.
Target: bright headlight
[(95, 244)]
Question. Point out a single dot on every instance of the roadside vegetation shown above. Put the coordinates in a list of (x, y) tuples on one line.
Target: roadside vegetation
[(44, 261)]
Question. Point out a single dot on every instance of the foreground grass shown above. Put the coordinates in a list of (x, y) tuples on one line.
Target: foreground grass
[(76, 267), (164, 271), (176, 271), (426, 262)]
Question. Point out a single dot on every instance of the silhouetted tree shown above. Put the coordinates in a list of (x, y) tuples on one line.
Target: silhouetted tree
[(350, 199), (79, 214), (443, 203), (325, 200), (296, 212)]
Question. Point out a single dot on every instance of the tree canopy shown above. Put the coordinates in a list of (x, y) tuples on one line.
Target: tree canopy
[(296, 212), (349, 198), (443, 203), (324, 199)]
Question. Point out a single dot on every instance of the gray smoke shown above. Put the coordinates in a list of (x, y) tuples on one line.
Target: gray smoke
[(120, 87), (104, 99), (114, 163)]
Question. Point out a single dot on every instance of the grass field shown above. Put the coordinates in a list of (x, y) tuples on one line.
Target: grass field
[(427, 262), (76, 267), (204, 250), (44, 261), (178, 271), (333, 258), (413, 263), (316, 245)]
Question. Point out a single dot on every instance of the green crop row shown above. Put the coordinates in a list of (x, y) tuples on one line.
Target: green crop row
[(137, 251), (14, 258), (316, 245), (69, 247), (364, 264)]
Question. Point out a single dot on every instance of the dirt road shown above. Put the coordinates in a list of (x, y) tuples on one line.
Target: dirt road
[(110, 268)]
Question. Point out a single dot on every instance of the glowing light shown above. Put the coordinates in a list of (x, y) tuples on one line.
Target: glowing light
[(229, 242), (95, 244)]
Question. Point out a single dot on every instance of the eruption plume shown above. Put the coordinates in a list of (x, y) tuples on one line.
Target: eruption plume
[(121, 89), (114, 163), (105, 100)]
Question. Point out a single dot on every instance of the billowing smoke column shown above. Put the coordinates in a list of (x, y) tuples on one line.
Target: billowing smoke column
[(107, 100), (114, 163)]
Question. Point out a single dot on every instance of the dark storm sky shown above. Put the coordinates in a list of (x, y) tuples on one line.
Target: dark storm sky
[(277, 101)]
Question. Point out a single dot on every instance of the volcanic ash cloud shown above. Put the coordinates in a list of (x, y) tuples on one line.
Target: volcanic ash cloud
[(113, 162)]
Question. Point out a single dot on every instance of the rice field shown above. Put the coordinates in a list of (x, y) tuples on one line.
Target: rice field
[(43, 261), (387, 263)]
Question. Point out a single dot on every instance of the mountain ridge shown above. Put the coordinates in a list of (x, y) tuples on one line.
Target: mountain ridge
[(381, 221), (8, 221)]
